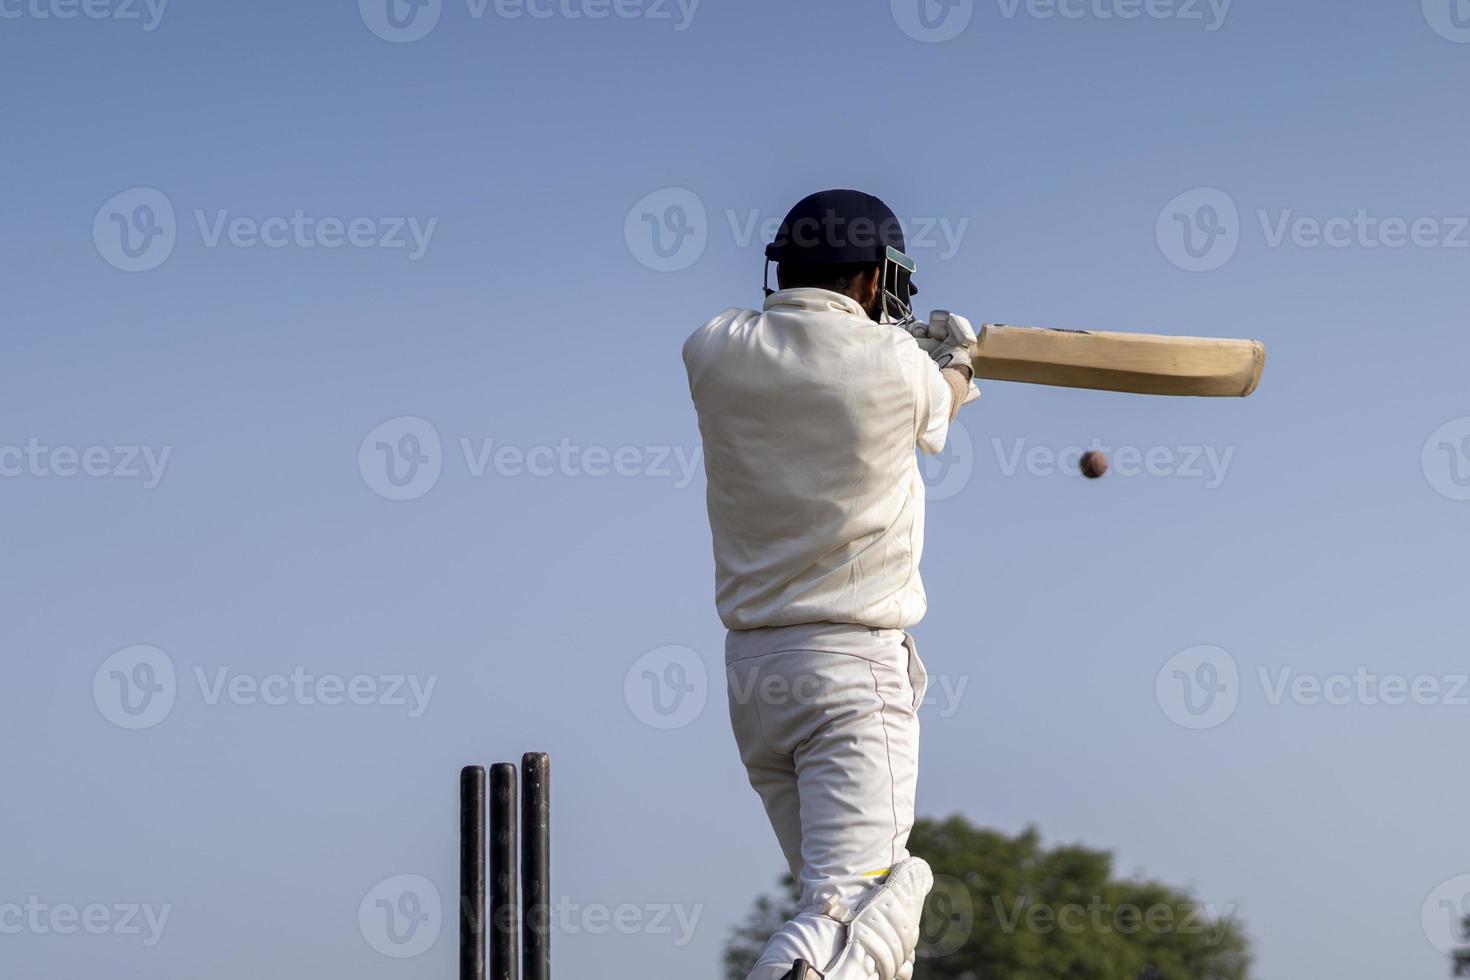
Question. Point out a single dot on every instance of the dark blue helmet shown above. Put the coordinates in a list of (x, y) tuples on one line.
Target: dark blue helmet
[(837, 227), (847, 227)]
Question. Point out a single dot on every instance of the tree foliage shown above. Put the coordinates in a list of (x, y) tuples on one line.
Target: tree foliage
[(1008, 908)]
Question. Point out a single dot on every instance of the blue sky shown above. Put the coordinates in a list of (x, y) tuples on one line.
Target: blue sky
[(433, 243)]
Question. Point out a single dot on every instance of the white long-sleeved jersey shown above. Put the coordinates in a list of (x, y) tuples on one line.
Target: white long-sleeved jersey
[(810, 413)]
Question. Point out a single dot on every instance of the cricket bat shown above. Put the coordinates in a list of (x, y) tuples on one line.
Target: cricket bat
[(1145, 364)]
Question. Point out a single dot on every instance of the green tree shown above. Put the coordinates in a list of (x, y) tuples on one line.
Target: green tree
[(1008, 908)]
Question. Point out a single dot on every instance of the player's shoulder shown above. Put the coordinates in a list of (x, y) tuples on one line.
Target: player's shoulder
[(716, 329), (907, 347)]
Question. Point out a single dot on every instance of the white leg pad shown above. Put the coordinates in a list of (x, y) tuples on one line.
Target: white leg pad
[(883, 932)]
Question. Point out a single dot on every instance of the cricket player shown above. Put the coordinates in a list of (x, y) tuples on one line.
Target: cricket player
[(811, 411)]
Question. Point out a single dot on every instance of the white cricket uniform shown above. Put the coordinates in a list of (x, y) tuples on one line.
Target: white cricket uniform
[(810, 414)]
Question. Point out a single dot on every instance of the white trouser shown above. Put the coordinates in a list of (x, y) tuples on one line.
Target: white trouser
[(826, 719)]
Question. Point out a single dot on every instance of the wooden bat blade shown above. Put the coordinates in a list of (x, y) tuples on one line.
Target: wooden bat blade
[(1145, 364)]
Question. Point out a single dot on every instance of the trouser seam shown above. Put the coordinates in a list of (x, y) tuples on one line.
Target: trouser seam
[(888, 761)]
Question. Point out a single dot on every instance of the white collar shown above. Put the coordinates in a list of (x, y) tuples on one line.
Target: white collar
[(815, 300)]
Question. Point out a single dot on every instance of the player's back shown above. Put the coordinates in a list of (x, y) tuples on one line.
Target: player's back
[(808, 413)]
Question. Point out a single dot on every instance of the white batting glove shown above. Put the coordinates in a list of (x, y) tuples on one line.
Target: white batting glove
[(948, 338)]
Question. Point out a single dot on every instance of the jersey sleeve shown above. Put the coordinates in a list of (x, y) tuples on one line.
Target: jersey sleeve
[(933, 398)]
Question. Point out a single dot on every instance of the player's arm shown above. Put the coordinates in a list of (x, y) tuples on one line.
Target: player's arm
[(960, 389), (945, 379)]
